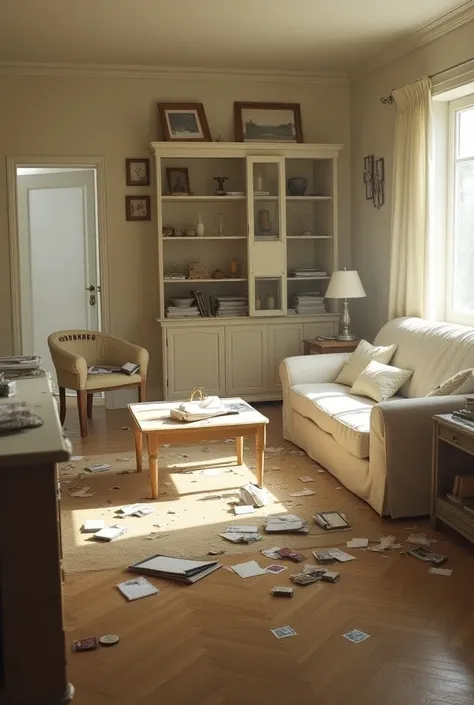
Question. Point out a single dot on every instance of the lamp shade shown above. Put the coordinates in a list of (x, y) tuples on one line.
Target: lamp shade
[(345, 284)]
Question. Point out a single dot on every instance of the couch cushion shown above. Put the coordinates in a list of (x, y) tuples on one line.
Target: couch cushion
[(434, 351), (335, 410)]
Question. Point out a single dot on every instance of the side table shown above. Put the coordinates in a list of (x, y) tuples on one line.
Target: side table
[(453, 454), (321, 346)]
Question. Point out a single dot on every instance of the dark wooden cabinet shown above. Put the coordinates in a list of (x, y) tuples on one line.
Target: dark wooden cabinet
[(32, 647)]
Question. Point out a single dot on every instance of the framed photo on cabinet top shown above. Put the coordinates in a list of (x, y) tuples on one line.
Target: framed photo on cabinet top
[(184, 122), (268, 122)]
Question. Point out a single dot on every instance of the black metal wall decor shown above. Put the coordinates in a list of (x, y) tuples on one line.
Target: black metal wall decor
[(374, 180)]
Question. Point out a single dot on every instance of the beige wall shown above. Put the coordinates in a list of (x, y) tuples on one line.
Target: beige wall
[(117, 118), (373, 133)]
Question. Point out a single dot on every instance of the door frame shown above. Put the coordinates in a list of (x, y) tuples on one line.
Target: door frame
[(14, 162)]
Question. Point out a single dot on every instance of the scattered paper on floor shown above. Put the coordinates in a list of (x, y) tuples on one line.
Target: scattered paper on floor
[(248, 569), (357, 543)]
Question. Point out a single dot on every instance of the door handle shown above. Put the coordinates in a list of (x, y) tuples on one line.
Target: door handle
[(92, 300), (90, 288)]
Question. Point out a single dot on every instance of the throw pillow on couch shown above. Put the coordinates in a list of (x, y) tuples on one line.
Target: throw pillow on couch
[(361, 357), (460, 383), (380, 382)]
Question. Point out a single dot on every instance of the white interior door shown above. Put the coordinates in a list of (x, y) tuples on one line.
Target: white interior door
[(58, 251)]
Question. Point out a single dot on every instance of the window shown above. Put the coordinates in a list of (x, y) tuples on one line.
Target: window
[(460, 231)]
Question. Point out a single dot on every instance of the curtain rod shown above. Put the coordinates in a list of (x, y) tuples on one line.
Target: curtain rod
[(389, 99)]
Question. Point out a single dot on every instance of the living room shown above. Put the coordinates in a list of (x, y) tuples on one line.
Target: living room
[(81, 89)]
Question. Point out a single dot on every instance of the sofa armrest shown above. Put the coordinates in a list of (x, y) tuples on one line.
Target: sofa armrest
[(401, 438), (307, 369)]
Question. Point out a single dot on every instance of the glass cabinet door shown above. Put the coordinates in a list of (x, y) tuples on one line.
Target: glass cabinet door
[(266, 210)]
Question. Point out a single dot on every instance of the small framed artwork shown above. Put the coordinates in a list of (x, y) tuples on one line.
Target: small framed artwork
[(138, 172), (379, 183), (184, 122), (268, 122), (369, 177), (137, 207), (178, 181)]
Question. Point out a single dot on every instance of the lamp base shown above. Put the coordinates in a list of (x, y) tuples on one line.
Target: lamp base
[(346, 336), (345, 322)]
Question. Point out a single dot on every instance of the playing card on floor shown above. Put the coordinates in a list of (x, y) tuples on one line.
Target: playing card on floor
[(356, 636), (283, 632)]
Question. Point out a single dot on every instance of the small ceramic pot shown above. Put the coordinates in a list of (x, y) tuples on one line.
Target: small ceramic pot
[(269, 302), (178, 232), (297, 186), (190, 232), (168, 231), (258, 303)]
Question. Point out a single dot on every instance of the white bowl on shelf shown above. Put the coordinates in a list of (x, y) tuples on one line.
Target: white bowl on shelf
[(182, 302)]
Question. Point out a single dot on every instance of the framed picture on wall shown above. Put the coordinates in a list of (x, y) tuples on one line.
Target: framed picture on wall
[(138, 172), (184, 122), (137, 207), (267, 122)]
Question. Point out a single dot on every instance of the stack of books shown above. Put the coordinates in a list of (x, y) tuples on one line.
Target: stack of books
[(306, 274), (186, 571), (20, 367), (182, 312), (286, 524), (309, 303), (231, 306)]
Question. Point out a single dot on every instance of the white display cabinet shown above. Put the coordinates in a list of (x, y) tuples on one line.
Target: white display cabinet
[(251, 231)]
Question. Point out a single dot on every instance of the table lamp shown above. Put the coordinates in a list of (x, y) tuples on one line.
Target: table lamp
[(345, 284)]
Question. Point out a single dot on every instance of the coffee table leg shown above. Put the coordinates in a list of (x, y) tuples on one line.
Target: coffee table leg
[(139, 448), (153, 463), (259, 452), (239, 449)]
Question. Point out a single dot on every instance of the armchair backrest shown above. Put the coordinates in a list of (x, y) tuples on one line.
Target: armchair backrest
[(86, 343)]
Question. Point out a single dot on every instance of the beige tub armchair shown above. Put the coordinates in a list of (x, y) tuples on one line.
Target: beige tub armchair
[(74, 351)]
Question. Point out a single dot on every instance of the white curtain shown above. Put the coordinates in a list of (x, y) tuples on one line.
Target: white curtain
[(408, 271)]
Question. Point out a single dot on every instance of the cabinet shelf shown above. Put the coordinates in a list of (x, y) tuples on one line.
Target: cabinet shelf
[(309, 237), (309, 198), (302, 279), (209, 199), (209, 237), (201, 281)]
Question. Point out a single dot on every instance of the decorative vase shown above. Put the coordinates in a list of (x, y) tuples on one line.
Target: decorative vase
[(220, 225), (234, 268), (264, 222), (199, 227), (297, 186), (269, 302), (258, 303), (259, 181)]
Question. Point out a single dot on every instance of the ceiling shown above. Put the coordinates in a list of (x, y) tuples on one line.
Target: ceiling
[(269, 35)]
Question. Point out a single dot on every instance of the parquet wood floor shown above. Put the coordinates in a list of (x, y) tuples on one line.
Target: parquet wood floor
[(210, 644)]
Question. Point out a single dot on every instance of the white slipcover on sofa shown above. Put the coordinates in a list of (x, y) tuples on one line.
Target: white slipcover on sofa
[(379, 451)]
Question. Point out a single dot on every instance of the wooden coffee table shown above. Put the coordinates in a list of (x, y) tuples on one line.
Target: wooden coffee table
[(152, 419)]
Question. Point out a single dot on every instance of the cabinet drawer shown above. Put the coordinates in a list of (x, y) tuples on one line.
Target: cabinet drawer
[(457, 438)]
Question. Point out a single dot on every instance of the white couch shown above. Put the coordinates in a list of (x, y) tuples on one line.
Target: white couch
[(379, 451)]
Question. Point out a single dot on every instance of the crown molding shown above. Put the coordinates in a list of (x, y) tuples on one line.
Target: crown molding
[(166, 72), (434, 30)]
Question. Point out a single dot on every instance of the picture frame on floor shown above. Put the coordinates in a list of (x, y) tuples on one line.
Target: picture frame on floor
[(137, 172), (184, 122), (268, 122), (137, 208)]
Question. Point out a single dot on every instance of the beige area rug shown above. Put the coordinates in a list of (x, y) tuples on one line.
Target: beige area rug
[(197, 485)]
